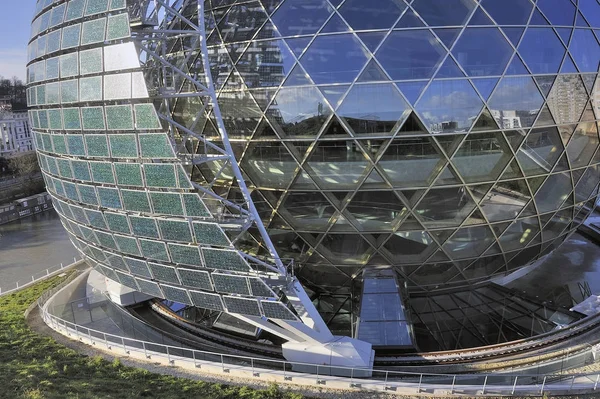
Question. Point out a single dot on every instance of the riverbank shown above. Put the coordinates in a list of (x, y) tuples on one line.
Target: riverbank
[(25, 207)]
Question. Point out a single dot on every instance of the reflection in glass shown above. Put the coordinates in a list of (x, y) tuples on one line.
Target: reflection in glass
[(542, 50), (482, 157), (449, 106), (410, 162), (508, 12), (334, 59), (515, 103), (444, 13), (301, 17), (373, 108), (505, 200), (366, 14), (555, 190), (473, 51), (585, 50), (298, 111), (583, 144), (421, 54), (445, 207)]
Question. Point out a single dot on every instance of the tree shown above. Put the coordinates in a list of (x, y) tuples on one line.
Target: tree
[(27, 168)]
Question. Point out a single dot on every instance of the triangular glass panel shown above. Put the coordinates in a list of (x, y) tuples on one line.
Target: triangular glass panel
[(411, 223), (439, 256), (432, 106), (364, 202), (373, 73), (513, 34), (268, 31), (375, 178), (442, 235), (565, 34), (334, 94), (512, 172), (499, 228), (588, 114), (450, 70), (335, 24), (401, 152), (482, 157), (412, 196), (236, 51), (505, 200), (569, 88), (447, 35), (583, 144), (566, 132), (562, 164), (412, 90), (475, 218), (304, 113), (485, 122), (545, 83), (298, 45), (312, 13), (529, 210), (537, 18), (581, 21), (527, 102), (479, 237), (335, 129), (372, 39), (409, 20), (544, 118), (588, 81), (568, 66), (535, 183), (479, 191), (448, 176), (480, 18), (412, 125), (485, 86), (516, 67), (298, 77), (449, 143), (273, 156), (493, 250), (366, 116)]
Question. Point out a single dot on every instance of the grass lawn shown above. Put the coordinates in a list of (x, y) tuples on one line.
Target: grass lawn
[(36, 366)]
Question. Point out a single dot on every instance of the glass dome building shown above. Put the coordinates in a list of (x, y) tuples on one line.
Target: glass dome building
[(323, 145)]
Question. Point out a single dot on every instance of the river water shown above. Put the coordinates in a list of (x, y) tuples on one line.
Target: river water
[(32, 244)]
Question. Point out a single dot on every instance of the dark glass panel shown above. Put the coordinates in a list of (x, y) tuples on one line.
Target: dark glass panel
[(410, 246), (506, 200), (567, 99), (516, 102), (413, 54), (373, 108), (519, 234), (542, 50), (540, 151), (444, 13), (373, 73), (473, 51), (298, 111), (559, 12), (445, 207), (449, 106), (585, 50), (469, 242), (482, 157), (508, 12), (334, 59), (555, 190), (366, 14), (583, 145), (557, 224), (545, 83), (307, 210), (376, 210), (345, 248), (410, 162), (485, 122), (587, 184), (516, 67), (301, 17)]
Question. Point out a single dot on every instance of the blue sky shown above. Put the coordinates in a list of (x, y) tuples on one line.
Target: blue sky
[(15, 20)]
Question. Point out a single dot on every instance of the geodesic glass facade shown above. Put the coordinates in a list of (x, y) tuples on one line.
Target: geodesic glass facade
[(452, 140)]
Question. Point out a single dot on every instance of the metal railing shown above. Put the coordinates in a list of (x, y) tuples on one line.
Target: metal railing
[(35, 278), (323, 375)]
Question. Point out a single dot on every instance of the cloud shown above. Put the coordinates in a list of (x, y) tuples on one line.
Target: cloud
[(12, 63)]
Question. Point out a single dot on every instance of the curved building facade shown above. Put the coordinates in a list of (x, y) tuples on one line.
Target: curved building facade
[(221, 161)]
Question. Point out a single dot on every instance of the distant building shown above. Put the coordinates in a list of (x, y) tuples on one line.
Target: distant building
[(15, 134)]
